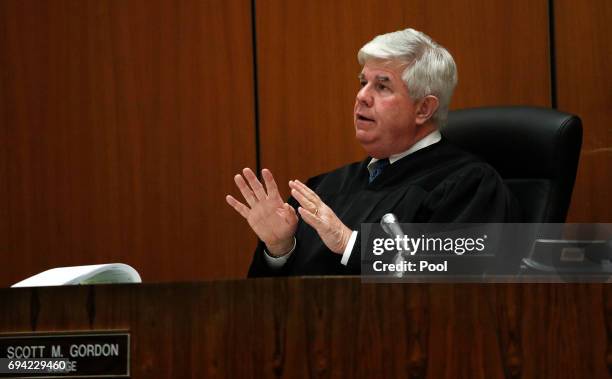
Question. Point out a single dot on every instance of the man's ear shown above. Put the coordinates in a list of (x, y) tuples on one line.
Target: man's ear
[(425, 108)]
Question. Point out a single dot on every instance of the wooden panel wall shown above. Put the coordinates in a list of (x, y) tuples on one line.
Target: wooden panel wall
[(308, 67), (122, 123), (584, 81)]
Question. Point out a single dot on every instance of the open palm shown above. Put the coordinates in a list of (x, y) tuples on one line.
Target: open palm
[(273, 220)]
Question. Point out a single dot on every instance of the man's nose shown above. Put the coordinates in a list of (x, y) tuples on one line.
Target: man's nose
[(364, 97)]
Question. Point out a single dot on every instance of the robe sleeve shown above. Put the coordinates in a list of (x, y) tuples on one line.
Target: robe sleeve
[(259, 267)]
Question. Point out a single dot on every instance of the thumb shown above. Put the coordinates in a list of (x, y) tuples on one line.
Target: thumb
[(291, 214), (287, 213)]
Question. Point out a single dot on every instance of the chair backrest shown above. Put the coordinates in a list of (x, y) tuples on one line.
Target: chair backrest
[(535, 150)]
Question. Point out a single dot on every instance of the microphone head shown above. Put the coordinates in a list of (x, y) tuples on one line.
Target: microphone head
[(387, 222), (388, 218)]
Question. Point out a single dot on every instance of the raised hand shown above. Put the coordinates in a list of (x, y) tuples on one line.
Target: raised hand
[(316, 213), (273, 220)]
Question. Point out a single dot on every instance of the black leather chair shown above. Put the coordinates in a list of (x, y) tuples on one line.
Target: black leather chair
[(535, 150)]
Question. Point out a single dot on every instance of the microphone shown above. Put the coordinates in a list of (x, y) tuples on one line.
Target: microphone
[(391, 226)]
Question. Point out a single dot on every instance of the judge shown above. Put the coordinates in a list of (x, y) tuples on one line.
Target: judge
[(411, 170)]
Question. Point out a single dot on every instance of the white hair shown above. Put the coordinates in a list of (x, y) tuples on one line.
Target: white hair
[(430, 69)]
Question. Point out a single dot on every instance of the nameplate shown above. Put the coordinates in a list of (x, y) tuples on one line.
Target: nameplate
[(92, 354)]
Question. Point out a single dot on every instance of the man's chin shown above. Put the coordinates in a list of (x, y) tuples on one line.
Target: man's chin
[(371, 148), (364, 137)]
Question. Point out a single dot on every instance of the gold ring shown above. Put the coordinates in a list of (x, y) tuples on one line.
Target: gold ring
[(316, 212)]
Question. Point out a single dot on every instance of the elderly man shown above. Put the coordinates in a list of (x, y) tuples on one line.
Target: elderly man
[(406, 84)]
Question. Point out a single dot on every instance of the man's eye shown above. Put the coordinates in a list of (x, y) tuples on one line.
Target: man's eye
[(381, 86), (363, 83)]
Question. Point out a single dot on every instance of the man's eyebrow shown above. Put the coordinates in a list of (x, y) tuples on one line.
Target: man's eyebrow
[(382, 78), (379, 78)]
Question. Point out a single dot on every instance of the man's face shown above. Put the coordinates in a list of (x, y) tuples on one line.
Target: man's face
[(384, 114)]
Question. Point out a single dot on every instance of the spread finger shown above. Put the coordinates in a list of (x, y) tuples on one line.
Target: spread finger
[(245, 190), (255, 184)]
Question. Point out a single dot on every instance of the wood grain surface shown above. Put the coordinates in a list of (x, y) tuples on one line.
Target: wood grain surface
[(123, 123), (584, 81), (336, 327)]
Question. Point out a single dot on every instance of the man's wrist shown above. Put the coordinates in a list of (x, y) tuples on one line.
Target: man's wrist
[(345, 236), (280, 249)]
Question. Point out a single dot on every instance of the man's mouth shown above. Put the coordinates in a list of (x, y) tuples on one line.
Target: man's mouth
[(364, 118)]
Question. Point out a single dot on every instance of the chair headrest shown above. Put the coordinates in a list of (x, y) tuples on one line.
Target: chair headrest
[(520, 142)]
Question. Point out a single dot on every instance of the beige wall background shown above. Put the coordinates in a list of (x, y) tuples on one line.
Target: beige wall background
[(123, 122)]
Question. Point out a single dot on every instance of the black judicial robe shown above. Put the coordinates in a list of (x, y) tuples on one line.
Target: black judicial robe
[(439, 183)]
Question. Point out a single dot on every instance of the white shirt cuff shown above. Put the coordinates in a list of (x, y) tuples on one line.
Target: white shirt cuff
[(278, 262), (349, 248)]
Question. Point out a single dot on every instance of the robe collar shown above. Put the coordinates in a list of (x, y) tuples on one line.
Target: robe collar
[(428, 140)]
